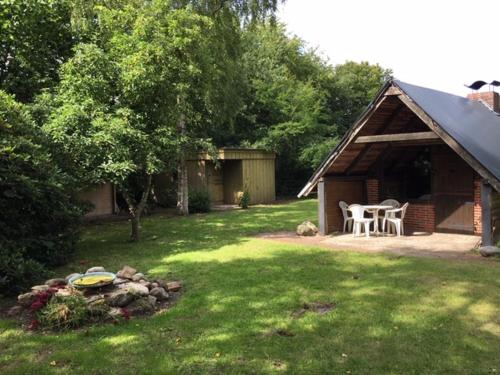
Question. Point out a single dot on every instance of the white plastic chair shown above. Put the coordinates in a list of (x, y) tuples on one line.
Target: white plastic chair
[(358, 213), (388, 202), (391, 218), (391, 202), (348, 219)]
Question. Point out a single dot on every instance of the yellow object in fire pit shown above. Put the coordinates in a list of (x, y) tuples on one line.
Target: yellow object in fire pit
[(90, 280)]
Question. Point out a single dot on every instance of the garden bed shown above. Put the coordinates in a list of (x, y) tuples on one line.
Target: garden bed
[(61, 304)]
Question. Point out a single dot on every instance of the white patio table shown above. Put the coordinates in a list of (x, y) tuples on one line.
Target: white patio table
[(374, 209)]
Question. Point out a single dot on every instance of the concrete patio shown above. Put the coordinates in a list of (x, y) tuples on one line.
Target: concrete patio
[(420, 244)]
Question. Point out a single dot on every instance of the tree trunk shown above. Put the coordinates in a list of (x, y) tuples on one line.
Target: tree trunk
[(135, 233), (135, 211), (182, 174)]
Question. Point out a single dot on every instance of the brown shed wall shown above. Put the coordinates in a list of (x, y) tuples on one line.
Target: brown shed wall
[(259, 180), (102, 198), (239, 169), (197, 177), (215, 182)]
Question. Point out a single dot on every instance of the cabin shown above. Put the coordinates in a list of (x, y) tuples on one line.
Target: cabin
[(102, 197), (233, 171), (439, 152)]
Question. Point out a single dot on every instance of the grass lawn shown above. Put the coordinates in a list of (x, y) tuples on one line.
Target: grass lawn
[(393, 315)]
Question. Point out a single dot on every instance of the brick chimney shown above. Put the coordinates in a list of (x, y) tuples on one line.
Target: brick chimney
[(489, 98)]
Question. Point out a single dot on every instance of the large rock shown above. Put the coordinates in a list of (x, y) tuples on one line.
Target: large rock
[(147, 284), (159, 293), (307, 229), (40, 288), (161, 283), (26, 299), (66, 292), (96, 269), (152, 300), (487, 251), (126, 273), (115, 313), (140, 306), (119, 280), (174, 286), (120, 298), (98, 307), (55, 282), (135, 288), (139, 276)]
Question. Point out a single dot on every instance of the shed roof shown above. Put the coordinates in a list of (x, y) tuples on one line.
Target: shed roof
[(468, 126), (234, 153)]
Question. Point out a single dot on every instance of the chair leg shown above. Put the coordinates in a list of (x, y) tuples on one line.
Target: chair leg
[(398, 228), (383, 225), (345, 224), (367, 229), (350, 225)]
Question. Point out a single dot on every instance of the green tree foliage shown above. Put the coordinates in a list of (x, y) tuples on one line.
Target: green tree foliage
[(354, 85), (120, 99), (39, 219), (146, 82), (35, 38), (295, 102)]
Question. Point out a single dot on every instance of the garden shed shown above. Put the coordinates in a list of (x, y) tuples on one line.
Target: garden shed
[(439, 152), (102, 197), (234, 171)]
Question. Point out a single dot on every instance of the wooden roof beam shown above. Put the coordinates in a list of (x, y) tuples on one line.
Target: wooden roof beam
[(391, 120), (401, 137)]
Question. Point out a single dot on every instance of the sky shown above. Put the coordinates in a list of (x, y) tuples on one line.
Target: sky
[(440, 44)]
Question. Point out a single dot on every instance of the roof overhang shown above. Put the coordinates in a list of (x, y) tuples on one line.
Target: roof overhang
[(230, 153), (436, 132)]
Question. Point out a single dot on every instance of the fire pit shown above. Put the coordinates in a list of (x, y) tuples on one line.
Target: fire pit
[(92, 280)]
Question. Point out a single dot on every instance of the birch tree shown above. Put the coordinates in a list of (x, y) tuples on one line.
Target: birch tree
[(118, 106)]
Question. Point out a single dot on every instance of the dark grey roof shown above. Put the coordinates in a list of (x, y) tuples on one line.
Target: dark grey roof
[(474, 126), (471, 123)]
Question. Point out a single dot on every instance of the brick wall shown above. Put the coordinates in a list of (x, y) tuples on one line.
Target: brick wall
[(336, 191), (372, 191), (478, 223), (420, 217)]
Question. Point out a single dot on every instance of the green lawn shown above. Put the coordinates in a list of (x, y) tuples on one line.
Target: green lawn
[(393, 315)]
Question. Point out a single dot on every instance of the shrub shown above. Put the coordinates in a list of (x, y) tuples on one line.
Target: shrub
[(64, 312), (244, 200), (199, 201), (18, 271), (39, 217)]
